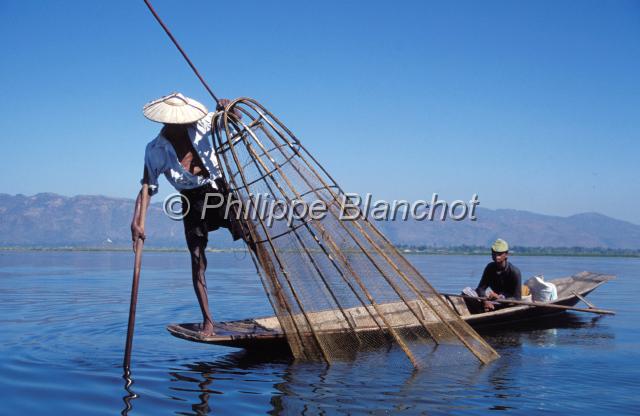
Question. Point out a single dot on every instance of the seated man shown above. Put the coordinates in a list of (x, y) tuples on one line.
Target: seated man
[(502, 278)]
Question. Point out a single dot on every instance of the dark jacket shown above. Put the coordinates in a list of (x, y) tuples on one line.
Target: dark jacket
[(507, 282)]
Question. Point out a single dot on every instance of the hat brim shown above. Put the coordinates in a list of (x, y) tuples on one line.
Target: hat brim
[(182, 111)]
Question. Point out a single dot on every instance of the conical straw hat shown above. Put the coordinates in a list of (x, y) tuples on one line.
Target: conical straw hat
[(174, 108)]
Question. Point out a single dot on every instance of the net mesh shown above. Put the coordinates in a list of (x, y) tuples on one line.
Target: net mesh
[(337, 285)]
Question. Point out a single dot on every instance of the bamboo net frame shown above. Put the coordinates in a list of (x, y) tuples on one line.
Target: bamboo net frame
[(338, 287)]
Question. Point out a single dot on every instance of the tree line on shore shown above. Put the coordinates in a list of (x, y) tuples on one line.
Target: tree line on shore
[(523, 251), (408, 249)]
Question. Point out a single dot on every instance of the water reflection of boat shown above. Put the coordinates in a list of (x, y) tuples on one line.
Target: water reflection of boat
[(261, 333)]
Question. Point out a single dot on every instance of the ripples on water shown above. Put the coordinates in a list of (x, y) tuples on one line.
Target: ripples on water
[(64, 320)]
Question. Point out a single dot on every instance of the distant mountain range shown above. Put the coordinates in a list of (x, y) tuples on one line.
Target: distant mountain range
[(48, 220), (519, 228)]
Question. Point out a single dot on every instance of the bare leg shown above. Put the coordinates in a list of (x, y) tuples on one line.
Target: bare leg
[(198, 269)]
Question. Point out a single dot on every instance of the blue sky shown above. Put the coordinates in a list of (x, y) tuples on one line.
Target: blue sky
[(531, 105)]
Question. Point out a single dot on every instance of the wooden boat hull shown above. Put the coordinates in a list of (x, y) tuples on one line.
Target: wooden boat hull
[(265, 333)]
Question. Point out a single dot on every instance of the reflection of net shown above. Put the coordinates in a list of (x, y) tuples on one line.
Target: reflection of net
[(337, 286)]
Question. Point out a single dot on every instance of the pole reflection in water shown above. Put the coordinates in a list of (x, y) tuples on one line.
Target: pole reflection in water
[(131, 395)]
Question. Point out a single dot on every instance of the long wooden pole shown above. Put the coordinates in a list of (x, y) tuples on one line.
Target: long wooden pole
[(184, 54), (537, 304), (139, 244)]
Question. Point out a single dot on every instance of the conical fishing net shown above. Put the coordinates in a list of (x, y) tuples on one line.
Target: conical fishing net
[(337, 285)]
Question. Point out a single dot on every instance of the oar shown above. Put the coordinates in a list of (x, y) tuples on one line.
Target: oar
[(136, 277), (537, 304), (589, 304)]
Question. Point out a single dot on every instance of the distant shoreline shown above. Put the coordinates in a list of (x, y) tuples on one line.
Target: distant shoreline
[(419, 250)]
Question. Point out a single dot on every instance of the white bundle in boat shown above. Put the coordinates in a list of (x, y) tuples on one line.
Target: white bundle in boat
[(542, 291)]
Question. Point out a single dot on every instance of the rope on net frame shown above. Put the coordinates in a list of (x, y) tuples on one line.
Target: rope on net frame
[(396, 279), (360, 291)]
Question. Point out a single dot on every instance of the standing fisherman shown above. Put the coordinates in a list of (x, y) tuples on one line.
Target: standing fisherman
[(184, 154)]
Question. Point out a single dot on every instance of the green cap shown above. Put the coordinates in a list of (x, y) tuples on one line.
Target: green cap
[(500, 246)]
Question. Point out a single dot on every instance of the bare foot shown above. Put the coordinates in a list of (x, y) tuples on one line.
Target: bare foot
[(207, 329)]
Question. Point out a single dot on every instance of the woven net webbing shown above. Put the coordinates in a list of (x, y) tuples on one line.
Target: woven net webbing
[(338, 286)]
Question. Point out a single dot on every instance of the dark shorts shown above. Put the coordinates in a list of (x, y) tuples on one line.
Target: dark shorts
[(197, 228)]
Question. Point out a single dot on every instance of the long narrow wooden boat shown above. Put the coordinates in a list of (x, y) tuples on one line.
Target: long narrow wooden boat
[(264, 333)]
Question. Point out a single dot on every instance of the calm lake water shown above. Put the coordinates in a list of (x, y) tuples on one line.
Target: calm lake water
[(64, 318)]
